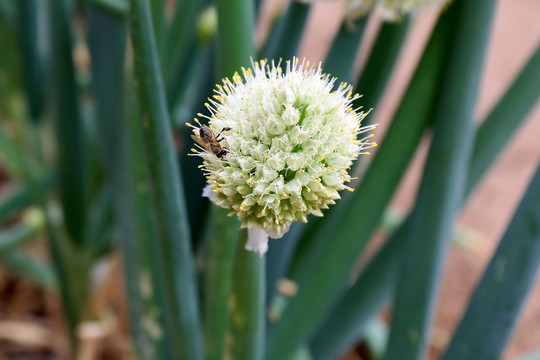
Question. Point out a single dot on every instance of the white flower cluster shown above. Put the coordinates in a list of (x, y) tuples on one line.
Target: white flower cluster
[(390, 10), (286, 143)]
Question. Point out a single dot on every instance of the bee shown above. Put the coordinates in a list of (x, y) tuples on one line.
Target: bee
[(205, 137)]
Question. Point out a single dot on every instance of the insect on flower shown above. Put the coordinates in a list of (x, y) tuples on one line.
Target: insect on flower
[(205, 138)]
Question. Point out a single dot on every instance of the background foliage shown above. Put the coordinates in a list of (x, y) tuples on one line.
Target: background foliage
[(93, 97)]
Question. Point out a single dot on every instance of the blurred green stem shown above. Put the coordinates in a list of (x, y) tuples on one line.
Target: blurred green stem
[(347, 322), (31, 57), (329, 249), (71, 155), (246, 305), (235, 29), (178, 41), (166, 186), (119, 8), (505, 118), (504, 286), (443, 183), (381, 61), (222, 243), (342, 55), (150, 318), (21, 264), (286, 33), (279, 257), (121, 151), (157, 9)]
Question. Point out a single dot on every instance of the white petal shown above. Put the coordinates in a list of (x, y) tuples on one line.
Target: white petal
[(207, 192), (257, 240)]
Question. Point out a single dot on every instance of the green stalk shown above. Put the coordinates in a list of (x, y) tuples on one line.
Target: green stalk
[(222, 243), (72, 267), (166, 185), (201, 83), (443, 183), (178, 40), (187, 79), (157, 9), (107, 44), (245, 340), (235, 29), (342, 55), (186, 93), (323, 265), (257, 7), (150, 316), (279, 257), (8, 13), (119, 8), (69, 135), (501, 122), (71, 261), (345, 324), (504, 285), (286, 34), (381, 61), (19, 263), (30, 56)]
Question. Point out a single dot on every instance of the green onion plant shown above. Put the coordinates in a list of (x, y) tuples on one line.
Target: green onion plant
[(224, 175)]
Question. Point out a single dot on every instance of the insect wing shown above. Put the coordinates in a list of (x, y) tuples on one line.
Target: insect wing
[(200, 141)]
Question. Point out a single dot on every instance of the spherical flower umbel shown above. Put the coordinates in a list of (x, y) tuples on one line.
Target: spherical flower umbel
[(278, 145)]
